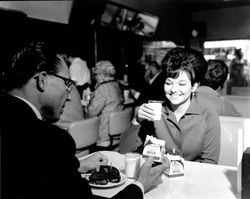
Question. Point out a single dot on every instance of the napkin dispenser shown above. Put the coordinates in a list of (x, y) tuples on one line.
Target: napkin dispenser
[(245, 193)]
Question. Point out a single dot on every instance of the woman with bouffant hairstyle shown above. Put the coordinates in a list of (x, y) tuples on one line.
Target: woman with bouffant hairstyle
[(187, 126)]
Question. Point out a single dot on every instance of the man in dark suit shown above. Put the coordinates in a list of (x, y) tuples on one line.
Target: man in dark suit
[(154, 84), (38, 158)]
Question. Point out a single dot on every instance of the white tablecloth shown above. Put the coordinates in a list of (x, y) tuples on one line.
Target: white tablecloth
[(201, 181)]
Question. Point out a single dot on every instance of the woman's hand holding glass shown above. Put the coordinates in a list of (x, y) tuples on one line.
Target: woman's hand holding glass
[(145, 111)]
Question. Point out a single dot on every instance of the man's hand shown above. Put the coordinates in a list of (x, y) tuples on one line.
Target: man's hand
[(148, 175), (93, 162)]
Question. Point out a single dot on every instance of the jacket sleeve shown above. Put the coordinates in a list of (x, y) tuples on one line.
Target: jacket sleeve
[(129, 139), (132, 191), (97, 102), (212, 138)]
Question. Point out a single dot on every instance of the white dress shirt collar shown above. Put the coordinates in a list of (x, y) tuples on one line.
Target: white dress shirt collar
[(151, 80), (36, 111)]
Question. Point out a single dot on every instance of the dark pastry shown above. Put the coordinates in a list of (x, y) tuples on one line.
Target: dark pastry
[(105, 174), (99, 177), (113, 174)]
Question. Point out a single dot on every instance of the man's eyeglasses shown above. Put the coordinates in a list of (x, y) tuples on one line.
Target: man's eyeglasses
[(70, 84)]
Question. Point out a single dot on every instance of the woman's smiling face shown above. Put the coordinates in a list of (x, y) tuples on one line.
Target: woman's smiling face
[(179, 90)]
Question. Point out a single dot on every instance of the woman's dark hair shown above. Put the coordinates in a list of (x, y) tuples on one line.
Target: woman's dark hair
[(185, 59), (32, 59)]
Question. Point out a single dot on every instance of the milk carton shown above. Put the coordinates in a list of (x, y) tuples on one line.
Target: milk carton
[(154, 147), (176, 165)]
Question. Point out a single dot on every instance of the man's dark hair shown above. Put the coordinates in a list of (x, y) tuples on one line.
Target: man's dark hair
[(32, 59), (154, 64), (216, 75), (185, 59)]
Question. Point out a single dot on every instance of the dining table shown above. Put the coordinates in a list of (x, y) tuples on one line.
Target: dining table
[(200, 180)]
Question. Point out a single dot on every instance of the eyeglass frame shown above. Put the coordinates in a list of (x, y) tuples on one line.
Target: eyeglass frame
[(70, 84)]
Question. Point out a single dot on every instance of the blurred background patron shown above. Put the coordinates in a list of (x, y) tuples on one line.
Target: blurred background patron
[(154, 84), (208, 93), (107, 97)]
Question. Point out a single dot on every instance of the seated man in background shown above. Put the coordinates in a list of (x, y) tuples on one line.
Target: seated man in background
[(154, 83), (38, 158), (208, 91)]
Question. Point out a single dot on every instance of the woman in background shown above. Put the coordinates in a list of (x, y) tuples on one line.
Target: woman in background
[(106, 98), (192, 129)]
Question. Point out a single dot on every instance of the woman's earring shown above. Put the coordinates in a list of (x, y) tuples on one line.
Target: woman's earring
[(193, 94)]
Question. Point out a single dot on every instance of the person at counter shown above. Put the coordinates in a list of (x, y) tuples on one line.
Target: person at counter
[(189, 127), (38, 158), (236, 72)]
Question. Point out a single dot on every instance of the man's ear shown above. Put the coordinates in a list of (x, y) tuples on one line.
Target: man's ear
[(194, 87), (42, 81)]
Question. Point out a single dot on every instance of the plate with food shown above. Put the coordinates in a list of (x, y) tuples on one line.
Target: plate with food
[(107, 177)]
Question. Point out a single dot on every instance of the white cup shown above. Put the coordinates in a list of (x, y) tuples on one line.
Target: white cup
[(132, 164), (156, 106), (126, 94)]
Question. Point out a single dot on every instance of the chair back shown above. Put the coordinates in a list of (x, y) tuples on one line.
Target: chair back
[(232, 124), (235, 136), (85, 134), (118, 122), (231, 147)]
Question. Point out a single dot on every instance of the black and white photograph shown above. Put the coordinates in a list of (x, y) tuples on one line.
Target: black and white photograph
[(125, 99)]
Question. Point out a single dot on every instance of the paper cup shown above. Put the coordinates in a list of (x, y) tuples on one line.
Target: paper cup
[(132, 164), (156, 106), (126, 94)]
